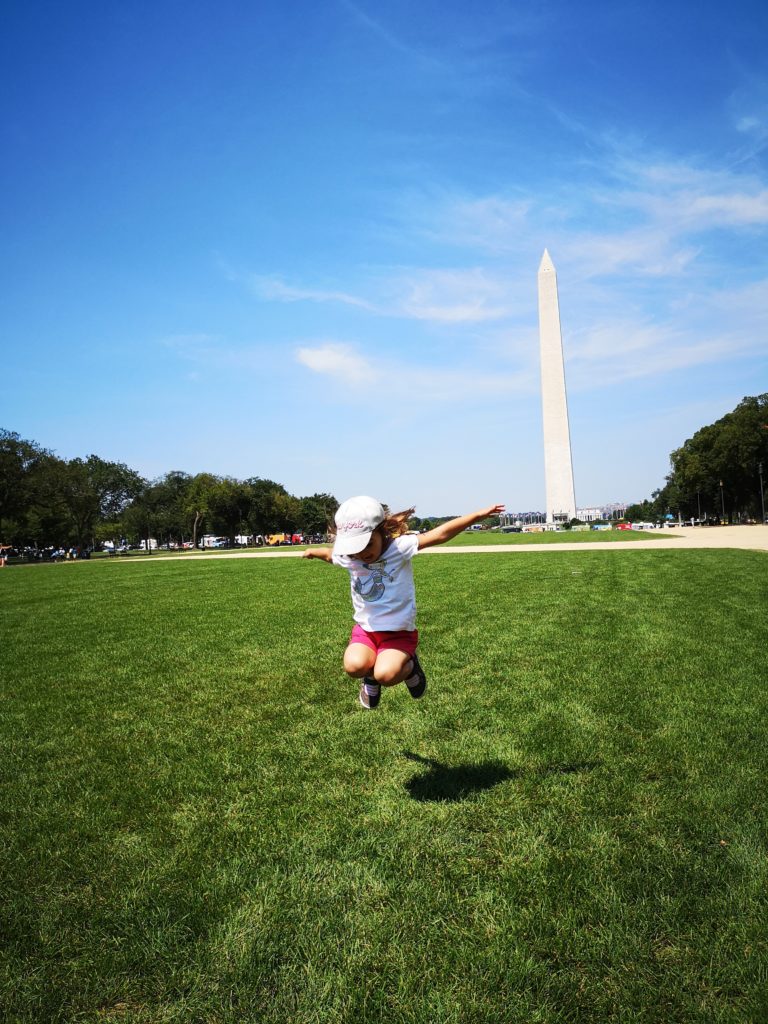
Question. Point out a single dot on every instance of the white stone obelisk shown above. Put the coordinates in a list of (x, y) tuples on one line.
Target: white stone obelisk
[(558, 465)]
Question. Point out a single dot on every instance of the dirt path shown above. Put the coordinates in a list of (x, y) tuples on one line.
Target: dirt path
[(752, 538)]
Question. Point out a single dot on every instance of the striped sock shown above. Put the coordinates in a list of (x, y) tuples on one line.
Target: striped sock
[(371, 687)]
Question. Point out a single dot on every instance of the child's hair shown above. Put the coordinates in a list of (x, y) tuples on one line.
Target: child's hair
[(395, 524)]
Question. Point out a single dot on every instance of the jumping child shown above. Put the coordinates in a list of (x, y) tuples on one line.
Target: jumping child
[(376, 550)]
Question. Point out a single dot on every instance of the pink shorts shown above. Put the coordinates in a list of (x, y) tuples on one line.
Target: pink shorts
[(405, 640)]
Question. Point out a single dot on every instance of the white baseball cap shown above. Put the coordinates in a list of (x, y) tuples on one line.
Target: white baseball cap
[(356, 519)]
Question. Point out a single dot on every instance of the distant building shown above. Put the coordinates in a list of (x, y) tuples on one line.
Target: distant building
[(589, 515), (600, 513)]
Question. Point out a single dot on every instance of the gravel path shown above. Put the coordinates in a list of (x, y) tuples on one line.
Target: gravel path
[(753, 538)]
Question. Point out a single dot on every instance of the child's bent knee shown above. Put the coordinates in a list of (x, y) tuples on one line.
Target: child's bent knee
[(358, 663), (389, 674)]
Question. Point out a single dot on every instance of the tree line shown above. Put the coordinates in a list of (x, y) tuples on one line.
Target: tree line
[(48, 501), (717, 473)]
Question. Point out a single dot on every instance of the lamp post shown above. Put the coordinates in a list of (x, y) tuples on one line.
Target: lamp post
[(722, 498), (762, 496)]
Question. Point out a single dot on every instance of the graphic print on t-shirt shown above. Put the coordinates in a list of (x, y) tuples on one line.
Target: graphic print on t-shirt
[(383, 596), (372, 588)]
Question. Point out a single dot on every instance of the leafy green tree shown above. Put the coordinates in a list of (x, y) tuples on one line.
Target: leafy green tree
[(20, 464), (422, 525), (160, 510), (93, 490), (49, 500), (719, 465), (198, 503), (316, 513), (48, 519), (642, 512), (740, 444), (265, 511), (288, 512), (229, 503), (168, 498)]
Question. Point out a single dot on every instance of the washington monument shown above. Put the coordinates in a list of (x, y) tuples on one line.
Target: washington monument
[(558, 466)]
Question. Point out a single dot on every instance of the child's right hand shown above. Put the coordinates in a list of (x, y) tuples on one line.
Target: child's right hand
[(324, 554)]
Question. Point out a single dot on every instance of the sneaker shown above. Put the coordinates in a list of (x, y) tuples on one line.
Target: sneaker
[(370, 700), (417, 684)]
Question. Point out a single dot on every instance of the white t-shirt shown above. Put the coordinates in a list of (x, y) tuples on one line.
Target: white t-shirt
[(383, 593)]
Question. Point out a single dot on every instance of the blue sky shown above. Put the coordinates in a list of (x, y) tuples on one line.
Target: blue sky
[(300, 240)]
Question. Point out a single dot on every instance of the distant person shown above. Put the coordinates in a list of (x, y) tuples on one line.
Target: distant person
[(376, 549)]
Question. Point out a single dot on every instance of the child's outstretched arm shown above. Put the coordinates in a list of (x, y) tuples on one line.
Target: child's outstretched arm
[(324, 554), (446, 531)]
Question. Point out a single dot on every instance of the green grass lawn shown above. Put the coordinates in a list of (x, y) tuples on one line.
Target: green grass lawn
[(199, 824)]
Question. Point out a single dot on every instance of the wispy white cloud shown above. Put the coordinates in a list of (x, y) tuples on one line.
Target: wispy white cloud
[(646, 216), (750, 125), (719, 325), (618, 339), (395, 42), (215, 351), (640, 284), (661, 359), (749, 112), (689, 199), (491, 224), (647, 251), (339, 361), (272, 287), (469, 295), (349, 367), (452, 296), (748, 302)]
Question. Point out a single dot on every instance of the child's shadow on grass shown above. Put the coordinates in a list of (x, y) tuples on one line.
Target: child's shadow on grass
[(446, 784)]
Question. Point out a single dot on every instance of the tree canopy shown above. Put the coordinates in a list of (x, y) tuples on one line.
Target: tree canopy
[(717, 472), (45, 500)]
